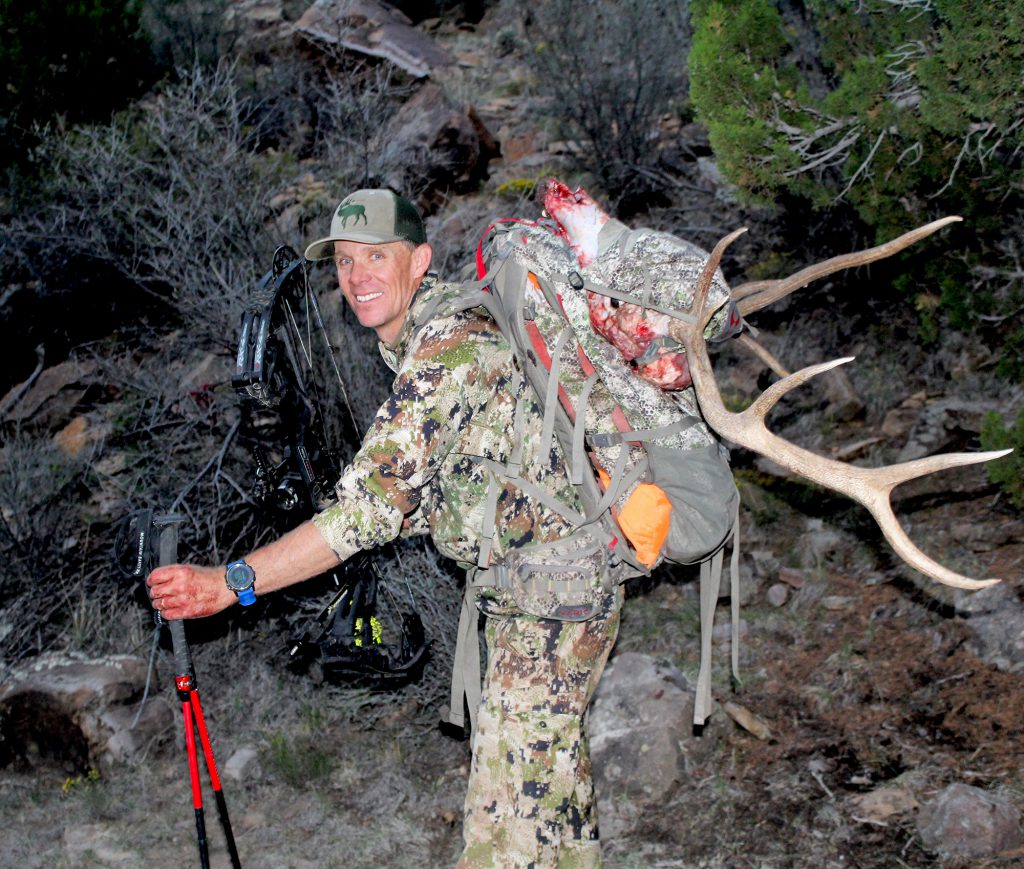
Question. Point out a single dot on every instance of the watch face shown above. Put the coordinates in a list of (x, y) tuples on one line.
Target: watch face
[(239, 576)]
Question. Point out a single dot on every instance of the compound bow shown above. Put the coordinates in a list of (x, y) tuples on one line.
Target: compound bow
[(357, 640)]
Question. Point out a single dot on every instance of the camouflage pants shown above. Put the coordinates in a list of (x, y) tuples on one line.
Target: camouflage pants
[(530, 801)]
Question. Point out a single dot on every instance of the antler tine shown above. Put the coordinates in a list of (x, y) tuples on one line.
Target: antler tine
[(761, 352), (878, 484), (771, 396), (707, 274), (904, 547), (754, 295), (870, 487)]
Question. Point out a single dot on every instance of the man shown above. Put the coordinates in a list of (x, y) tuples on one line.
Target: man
[(452, 409)]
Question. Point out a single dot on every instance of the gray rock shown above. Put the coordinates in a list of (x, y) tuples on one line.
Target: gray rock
[(372, 29), (987, 536), (242, 763), (793, 577), (883, 803), (49, 402), (995, 619), (114, 739), (900, 420), (778, 594), (259, 13), (641, 729), (844, 404), (78, 712), (258, 25), (709, 173), (722, 632), (943, 425), (764, 562), (751, 585), (436, 147), (757, 567), (820, 542), (965, 821)]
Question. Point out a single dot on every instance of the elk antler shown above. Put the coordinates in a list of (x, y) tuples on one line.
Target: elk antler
[(870, 487), (754, 295)]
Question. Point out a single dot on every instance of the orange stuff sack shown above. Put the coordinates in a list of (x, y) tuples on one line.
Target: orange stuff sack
[(645, 520)]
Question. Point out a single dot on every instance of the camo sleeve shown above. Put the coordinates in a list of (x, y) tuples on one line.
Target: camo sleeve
[(412, 433)]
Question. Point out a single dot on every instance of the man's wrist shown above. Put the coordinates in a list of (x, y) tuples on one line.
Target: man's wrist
[(240, 579)]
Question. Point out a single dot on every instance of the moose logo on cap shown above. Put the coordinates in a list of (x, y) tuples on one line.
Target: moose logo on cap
[(353, 210)]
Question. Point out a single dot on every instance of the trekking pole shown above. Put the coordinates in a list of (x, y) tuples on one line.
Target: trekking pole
[(192, 711)]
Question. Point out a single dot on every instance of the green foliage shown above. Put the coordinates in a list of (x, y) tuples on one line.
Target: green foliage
[(1011, 365), (905, 111), (74, 60), (725, 60), (1007, 472), (93, 795), (299, 759), (79, 782), (901, 99), (974, 77), (517, 189), (506, 42)]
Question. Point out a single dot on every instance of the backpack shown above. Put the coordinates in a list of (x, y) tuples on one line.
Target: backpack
[(654, 483)]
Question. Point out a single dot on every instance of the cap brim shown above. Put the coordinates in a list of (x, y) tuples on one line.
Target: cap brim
[(323, 248)]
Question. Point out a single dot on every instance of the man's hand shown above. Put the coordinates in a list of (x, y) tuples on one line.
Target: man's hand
[(184, 591)]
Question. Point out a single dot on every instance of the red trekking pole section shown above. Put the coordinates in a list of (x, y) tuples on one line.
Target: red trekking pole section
[(211, 768), (193, 773), (192, 713)]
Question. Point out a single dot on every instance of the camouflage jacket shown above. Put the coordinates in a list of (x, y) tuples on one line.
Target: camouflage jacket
[(452, 404)]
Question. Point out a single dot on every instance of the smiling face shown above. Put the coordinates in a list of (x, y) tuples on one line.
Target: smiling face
[(379, 281)]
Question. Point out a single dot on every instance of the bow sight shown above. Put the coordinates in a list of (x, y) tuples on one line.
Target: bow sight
[(358, 638)]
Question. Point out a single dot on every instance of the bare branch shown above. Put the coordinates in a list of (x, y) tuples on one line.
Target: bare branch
[(18, 392), (862, 168)]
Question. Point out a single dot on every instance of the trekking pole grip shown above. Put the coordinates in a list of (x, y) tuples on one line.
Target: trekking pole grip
[(168, 554)]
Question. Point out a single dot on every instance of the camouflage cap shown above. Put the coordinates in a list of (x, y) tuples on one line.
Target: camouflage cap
[(371, 217)]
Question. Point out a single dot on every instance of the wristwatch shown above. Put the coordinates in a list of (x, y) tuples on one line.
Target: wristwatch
[(241, 578)]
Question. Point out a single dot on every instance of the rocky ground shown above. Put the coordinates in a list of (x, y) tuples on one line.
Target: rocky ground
[(865, 696), (874, 705)]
